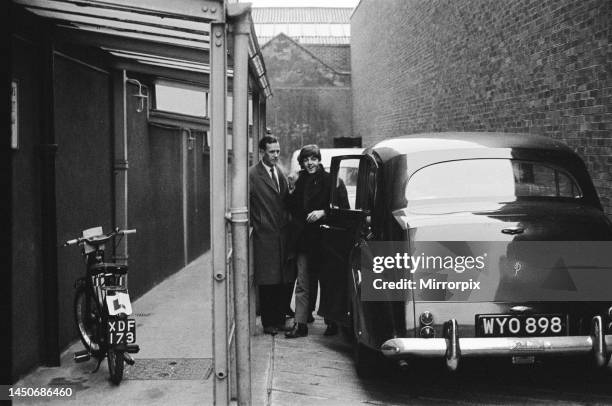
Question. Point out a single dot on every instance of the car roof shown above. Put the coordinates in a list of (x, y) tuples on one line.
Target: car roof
[(403, 156), (447, 141)]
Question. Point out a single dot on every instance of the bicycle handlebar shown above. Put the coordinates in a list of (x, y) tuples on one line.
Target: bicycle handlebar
[(99, 239)]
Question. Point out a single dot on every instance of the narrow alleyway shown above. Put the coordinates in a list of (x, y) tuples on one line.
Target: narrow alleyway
[(174, 364)]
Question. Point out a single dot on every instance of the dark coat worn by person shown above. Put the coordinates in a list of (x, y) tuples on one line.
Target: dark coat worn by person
[(269, 219), (312, 192)]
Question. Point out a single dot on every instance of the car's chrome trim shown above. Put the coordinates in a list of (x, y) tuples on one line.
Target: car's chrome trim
[(454, 348)]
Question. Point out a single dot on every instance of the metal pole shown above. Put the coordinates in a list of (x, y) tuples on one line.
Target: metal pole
[(218, 165), (240, 25), (263, 120), (51, 348), (255, 128), (121, 161), (185, 193), (255, 141)]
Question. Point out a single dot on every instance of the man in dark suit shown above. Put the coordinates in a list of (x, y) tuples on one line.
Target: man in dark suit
[(270, 222)]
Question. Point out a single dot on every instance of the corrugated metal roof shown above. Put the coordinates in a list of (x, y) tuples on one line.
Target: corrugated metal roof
[(315, 15), (167, 24)]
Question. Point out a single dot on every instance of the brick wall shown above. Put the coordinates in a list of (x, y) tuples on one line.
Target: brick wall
[(336, 56), (533, 66)]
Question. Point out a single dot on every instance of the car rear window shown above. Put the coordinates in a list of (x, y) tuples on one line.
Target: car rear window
[(499, 179)]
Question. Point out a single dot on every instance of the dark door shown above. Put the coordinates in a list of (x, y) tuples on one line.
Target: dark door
[(344, 230), (197, 195)]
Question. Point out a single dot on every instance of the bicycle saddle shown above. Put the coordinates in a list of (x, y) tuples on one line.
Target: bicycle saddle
[(109, 267)]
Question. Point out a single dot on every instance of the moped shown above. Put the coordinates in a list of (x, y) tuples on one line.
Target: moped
[(102, 305)]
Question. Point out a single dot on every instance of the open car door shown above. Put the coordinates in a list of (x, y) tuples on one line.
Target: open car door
[(342, 230)]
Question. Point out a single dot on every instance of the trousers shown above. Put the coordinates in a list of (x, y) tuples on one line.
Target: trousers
[(302, 290), (273, 304)]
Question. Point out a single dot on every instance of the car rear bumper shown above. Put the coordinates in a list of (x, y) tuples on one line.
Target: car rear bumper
[(454, 348)]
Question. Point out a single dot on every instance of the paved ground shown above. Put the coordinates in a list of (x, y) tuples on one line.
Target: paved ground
[(175, 368), (318, 370)]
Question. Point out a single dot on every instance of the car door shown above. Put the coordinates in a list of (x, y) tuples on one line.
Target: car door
[(345, 227)]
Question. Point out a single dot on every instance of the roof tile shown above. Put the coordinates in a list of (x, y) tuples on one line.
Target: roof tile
[(313, 15)]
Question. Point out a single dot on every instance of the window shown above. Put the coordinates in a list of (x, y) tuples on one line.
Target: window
[(264, 30), (337, 30), (180, 98), (309, 30), (344, 197), (294, 30), (367, 186), (490, 179)]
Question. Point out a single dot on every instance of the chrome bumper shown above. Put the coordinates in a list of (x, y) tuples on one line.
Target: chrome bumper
[(454, 348)]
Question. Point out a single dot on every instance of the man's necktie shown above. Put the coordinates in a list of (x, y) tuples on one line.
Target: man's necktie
[(273, 173)]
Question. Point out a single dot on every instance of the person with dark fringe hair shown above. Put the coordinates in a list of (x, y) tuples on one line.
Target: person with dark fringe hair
[(308, 203)]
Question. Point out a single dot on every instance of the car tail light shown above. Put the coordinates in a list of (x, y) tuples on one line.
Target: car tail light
[(426, 318), (427, 332)]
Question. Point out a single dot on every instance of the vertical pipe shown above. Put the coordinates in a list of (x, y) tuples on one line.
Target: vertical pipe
[(256, 133), (121, 161), (218, 163), (239, 202), (6, 163), (255, 141), (264, 121), (185, 192), (51, 351)]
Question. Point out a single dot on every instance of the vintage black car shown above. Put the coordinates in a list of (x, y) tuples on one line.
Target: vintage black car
[(498, 189)]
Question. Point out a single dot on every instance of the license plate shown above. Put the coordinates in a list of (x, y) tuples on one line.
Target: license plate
[(506, 325), (122, 331)]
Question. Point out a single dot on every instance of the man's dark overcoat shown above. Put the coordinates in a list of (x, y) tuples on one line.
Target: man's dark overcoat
[(270, 222)]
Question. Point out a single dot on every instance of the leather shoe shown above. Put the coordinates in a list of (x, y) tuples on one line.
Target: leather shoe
[(310, 318), (299, 330), (283, 327), (331, 330), (270, 330)]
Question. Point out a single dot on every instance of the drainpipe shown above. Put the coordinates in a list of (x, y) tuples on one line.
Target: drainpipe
[(121, 162), (218, 164), (51, 353), (9, 273), (49, 215), (256, 128), (263, 125), (240, 25), (256, 135)]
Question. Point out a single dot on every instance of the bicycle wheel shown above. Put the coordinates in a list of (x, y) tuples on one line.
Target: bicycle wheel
[(86, 317), (115, 365)]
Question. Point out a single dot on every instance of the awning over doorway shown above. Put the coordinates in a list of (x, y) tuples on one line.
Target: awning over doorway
[(148, 34)]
